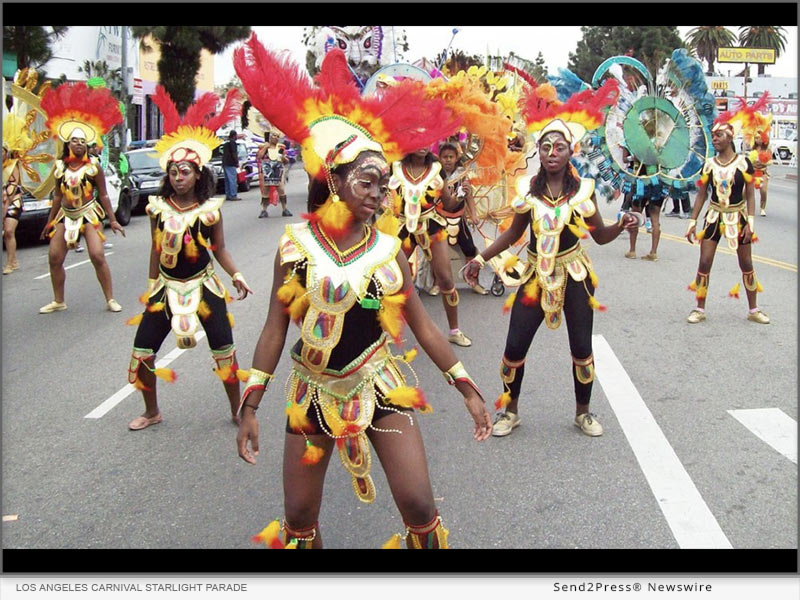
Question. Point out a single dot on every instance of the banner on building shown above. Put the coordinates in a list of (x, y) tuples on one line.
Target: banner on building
[(746, 55)]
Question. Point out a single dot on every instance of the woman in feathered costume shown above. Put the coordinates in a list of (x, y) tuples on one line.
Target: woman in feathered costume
[(79, 115), (186, 223), (348, 286), (731, 213), (16, 142), (561, 209)]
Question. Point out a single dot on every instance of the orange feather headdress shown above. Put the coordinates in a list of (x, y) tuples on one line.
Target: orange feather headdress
[(194, 137), (75, 109), (747, 120), (331, 120), (465, 96), (582, 112)]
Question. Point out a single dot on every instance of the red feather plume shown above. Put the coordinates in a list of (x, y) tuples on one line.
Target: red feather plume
[(96, 106), (275, 85), (166, 105), (199, 113), (401, 119), (745, 111)]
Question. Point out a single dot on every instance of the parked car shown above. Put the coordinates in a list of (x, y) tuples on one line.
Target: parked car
[(143, 179), (35, 212), (247, 173), (785, 148)]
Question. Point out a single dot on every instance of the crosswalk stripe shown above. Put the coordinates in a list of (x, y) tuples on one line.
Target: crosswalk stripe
[(128, 389), (686, 513), (773, 426)]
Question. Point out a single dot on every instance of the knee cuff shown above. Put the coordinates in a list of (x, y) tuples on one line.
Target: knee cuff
[(428, 536), (137, 357), (451, 297), (584, 369)]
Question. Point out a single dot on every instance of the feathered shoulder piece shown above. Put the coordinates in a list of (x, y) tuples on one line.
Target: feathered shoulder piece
[(580, 113), (747, 120), (75, 108), (329, 118), (194, 137)]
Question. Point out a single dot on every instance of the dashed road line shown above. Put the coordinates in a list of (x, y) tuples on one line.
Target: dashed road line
[(77, 264), (126, 391), (772, 426), (686, 513)]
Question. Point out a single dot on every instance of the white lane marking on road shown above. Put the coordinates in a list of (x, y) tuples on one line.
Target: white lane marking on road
[(773, 426), (77, 264), (126, 391), (686, 513)]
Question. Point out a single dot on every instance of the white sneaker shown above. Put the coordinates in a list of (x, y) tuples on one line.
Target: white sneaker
[(587, 423), (113, 306), (53, 307), (505, 423), (459, 339)]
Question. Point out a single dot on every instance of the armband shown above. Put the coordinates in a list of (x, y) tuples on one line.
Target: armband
[(480, 260), (458, 373), (257, 380), (239, 277), (751, 222)]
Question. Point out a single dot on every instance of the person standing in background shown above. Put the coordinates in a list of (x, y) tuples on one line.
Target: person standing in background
[(230, 163)]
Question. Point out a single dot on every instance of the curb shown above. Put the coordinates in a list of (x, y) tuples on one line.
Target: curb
[(792, 176)]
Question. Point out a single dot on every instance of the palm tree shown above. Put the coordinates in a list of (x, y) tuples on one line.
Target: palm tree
[(180, 54), (769, 36), (705, 41), (32, 45)]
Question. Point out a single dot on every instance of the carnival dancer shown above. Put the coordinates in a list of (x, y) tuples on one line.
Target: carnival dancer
[(186, 223), (16, 143), (559, 207), (348, 286), (419, 189), (458, 221), (731, 213), (761, 155), (78, 115), (273, 163)]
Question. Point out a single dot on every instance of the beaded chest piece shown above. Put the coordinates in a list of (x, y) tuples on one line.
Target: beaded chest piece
[(414, 191), (177, 223)]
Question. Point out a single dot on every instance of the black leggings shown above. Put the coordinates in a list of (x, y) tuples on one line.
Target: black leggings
[(155, 326), (525, 321), (465, 241)]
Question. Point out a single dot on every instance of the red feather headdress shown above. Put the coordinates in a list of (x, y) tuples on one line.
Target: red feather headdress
[(194, 137), (582, 112), (76, 106), (747, 120), (331, 120)]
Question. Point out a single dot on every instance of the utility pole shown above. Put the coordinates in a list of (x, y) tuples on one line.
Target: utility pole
[(124, 145)]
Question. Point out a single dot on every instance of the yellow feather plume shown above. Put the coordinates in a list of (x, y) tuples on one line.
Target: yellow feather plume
[(242, 375), (144, 297), (577, 232), (156, 307), (390, 314), (700, 234), (510, 263), (410, 355), (230, 320), (734, 291), (702, 291), (224, 373), (692, 286), (135, 320), (387, 223), (290, 290), (204, 310), (531, 292), (408, 397), (758, 287), (334, 217), (593, 278), (596, 305), (509, 302), (298, 308), (503, 401), (393, 543), (190, 249), (298, 420), (312, 455), (167, 375)]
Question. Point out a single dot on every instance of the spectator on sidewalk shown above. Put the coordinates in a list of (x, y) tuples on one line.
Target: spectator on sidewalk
[(230, 165)]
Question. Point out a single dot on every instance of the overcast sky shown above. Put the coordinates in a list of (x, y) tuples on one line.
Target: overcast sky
[(555, 43)]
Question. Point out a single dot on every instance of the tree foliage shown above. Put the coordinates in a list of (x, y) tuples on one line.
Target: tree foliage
[(180, 54), (650, 45), (32, 45), (705, 40), (767, 36)]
